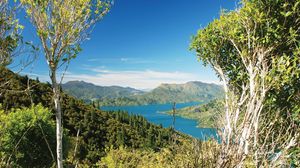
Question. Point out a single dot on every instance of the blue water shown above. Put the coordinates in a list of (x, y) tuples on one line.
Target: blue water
[(153, 114)]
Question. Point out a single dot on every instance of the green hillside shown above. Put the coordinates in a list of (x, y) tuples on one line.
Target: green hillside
[(206, 114), (188, 92), (98, 130), (89, 91), (166, 93)]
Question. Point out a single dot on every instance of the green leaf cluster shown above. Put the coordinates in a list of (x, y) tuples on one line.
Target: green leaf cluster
[(10, 32), (22, 141)]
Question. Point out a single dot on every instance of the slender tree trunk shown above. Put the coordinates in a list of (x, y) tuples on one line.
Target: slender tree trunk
[(57, 107), (174, 115), (173, 124)]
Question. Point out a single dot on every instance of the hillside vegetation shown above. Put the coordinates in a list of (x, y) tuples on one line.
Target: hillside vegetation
[(165, 93), (88, 91), (96, 129), (254, 50), (93, 138), (206, 114)]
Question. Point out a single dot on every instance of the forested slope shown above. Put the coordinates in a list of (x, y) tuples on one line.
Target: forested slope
[(194, 91), (88, 91), (97, 129), (206, 114)]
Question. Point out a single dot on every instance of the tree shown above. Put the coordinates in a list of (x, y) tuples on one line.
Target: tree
[(62, 25), (9, 32), (255, 52)]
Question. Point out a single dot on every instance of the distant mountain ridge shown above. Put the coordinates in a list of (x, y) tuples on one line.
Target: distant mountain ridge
[(194, 91), (88, 91)]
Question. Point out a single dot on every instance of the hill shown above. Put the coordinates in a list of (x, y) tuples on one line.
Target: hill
[(188, 92), (96, 129), (206, 114), (88, 91), (194, 91)]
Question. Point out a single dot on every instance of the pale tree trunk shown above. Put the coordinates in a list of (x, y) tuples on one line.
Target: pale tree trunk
[(58, 114)]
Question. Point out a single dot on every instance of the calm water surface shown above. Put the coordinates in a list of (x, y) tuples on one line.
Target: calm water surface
[(153, 114)]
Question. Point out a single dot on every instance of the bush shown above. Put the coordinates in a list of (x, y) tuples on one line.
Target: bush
[(186, 153), (26, 137)]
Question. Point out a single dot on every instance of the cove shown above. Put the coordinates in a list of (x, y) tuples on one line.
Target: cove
[(153, 114)]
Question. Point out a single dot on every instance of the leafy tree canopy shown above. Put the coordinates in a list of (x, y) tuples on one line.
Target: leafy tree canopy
[(9, 32), (257, 27)]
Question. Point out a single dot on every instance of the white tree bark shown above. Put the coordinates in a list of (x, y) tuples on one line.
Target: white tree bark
[(58, 114)]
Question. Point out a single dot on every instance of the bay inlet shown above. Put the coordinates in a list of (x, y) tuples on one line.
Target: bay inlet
[(153, 113)]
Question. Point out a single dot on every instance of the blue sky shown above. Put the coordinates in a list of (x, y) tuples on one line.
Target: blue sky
[(140, 44)]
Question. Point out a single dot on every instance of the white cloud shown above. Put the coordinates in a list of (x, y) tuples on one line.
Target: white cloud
[(138, 79), (35, 75), (124, 59), (121, 60)]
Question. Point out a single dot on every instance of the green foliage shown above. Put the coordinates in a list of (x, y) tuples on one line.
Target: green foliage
[(156, 136), (63, 25), (23, 135), (188, 153), (207, 114), (216, 43), (97, 129), (239, 37), (125, 158), (10, 32)]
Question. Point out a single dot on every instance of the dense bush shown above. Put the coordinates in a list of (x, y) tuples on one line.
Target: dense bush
[(185, 154), (27, 137)]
